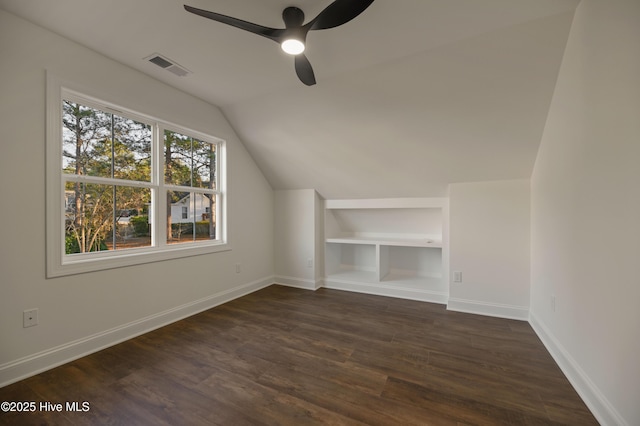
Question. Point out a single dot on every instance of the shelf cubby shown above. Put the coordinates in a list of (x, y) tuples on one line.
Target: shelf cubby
[(353, 262), (389, 247)]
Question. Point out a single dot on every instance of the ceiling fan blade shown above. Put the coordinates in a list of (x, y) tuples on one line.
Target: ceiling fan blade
[(339, 12), (304, 70), (270, 33)]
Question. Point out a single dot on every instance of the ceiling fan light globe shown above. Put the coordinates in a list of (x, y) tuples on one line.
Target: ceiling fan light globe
[(292, 46)]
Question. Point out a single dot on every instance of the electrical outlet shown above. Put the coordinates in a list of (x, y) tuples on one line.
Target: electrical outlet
[(237, 268), (309, 263), (457, 276), (30, 318)]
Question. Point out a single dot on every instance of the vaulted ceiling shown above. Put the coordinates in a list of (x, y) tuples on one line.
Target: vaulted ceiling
[(412, 94)]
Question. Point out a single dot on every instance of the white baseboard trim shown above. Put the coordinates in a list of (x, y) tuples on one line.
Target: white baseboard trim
[(599, 405), (489, 309), (387, 290), (22, 368), (298, 282)]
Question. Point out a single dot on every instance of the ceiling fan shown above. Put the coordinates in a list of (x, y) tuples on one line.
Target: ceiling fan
[(293, 37)]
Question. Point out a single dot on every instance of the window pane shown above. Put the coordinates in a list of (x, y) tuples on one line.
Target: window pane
[(94, 223), (177, 161), (188, 161), (178, 227), (204, 164), (132, 150), (189, 218), (88, 217), (206, 227), (132, 227), (87, 136), (86, 140)]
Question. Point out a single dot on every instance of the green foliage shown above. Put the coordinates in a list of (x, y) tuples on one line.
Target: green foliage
[(98, 143), (202, 228), (188, 161), (71, 245), (140, 225)]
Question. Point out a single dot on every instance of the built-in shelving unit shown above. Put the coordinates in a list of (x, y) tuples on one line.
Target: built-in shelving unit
[(391, 247)]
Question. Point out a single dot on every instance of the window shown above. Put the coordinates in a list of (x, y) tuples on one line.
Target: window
[(125, 188)]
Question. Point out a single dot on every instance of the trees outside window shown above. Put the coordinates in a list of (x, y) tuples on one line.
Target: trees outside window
[(131, 183), (104, 145), (189, 168)]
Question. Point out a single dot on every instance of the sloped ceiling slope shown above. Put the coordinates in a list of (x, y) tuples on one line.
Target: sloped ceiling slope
[(412, 95)]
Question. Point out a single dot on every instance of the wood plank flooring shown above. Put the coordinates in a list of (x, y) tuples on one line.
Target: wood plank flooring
[(283, 356)]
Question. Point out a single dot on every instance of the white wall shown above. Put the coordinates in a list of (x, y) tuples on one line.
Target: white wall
[(83, 312), (319, 239), (489, 244), (586, 212), (295, 237)]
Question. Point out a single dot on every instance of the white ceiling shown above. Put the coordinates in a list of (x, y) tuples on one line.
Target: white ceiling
[(411, 95)]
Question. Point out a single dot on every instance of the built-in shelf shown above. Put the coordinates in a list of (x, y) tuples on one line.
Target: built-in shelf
[(388, 247), (402, 242), (353, 275)]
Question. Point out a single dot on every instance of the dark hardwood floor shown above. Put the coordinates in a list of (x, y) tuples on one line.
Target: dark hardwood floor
[(283, 356)]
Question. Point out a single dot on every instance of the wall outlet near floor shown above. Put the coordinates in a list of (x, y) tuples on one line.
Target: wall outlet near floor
[(457, 276), (309, 263), (237, 268), (30, 318)]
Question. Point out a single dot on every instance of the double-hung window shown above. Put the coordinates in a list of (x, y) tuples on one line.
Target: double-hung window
[(125, 188)]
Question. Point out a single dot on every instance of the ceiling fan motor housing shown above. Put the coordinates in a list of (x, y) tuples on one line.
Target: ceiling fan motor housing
[(292, 17)]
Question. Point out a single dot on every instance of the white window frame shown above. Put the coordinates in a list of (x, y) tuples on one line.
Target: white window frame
[(61, 264)]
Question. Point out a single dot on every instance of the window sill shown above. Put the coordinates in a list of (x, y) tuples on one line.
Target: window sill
[(80, 264)]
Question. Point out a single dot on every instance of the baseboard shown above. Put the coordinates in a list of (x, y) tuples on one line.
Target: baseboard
[(22, 368), (389, 291), (489, 309), (298, 282), (599, 405)]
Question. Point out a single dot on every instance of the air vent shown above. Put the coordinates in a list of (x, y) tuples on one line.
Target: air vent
[(168, 64)]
